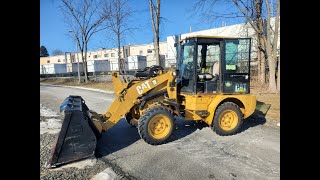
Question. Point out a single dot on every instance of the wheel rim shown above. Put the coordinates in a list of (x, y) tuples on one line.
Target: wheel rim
[(159, 126), (228, 120)]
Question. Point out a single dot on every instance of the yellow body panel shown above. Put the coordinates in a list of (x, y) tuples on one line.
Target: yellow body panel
[(248, 101), (198, 102), (210, 102)]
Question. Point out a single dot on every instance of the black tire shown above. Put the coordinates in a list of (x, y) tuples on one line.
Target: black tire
[(220, 115), (148, 117)]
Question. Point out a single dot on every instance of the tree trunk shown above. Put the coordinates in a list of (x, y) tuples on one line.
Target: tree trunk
[(156, 50), (262, 65), (278, 76), (82, 56), (155, 19), (271, 58), (275, 42), (272, 65), (85, 64), (258, 6), (272, 75), (120, 63)]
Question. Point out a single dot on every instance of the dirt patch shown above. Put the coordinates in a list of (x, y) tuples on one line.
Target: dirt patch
[(273, 99), (105, 85)]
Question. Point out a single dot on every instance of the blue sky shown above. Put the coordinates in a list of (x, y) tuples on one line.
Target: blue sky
[(177, 16)]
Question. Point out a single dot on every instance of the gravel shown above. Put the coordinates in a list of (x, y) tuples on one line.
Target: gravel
[(46, 140)]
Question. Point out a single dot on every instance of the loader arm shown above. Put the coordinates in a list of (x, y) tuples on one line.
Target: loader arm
[(128, 94)]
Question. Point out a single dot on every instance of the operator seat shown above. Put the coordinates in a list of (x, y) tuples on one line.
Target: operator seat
[(216, 68)]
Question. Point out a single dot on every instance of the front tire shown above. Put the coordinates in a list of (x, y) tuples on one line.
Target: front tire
[(227, 120), (156, 125)]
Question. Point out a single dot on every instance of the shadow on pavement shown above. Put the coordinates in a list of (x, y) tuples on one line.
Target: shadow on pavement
[(185, 128), (123, 135), (257, 118), (118, 137)]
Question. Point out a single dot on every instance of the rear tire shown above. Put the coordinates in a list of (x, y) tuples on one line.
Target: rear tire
[(156, 125), (227, 119)]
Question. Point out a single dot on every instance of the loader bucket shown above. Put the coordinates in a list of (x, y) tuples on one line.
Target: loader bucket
[(78, 136)]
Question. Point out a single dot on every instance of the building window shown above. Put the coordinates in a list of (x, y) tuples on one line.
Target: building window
[(149, 51), (126, 52), (95, 56), (141, 52), (58, 60), (48, 61), (112, 55), (106, 55), (73, 57)]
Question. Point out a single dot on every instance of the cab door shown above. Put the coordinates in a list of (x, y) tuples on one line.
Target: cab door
[(235, 68)]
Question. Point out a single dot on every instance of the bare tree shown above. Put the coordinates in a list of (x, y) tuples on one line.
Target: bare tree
[(85, 18), (256, 16), (155, 19), (117, 23), (43, 52), (267, 46), (275, 42), (57, 52)]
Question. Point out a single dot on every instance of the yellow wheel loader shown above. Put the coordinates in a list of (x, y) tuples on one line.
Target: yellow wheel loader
[(211, 83)]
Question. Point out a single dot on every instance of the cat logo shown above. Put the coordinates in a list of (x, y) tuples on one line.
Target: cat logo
[(145, 86), (154, 82)]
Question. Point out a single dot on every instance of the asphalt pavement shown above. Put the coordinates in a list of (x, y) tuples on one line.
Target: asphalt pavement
[(194, 152)]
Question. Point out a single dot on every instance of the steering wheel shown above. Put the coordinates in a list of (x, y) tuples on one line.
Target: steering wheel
[(205, 76)]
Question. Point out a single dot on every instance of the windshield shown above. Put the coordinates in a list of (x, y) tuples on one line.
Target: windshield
[(187, 63)]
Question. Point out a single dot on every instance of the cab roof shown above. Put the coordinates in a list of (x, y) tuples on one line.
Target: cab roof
[(210, 37)]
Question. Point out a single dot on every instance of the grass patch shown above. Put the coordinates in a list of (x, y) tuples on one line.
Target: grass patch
[(106, 85)]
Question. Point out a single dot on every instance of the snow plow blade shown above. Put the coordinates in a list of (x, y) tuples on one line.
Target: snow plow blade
[(78, 136)]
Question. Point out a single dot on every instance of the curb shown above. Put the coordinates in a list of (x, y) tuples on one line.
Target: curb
[(89, 89)]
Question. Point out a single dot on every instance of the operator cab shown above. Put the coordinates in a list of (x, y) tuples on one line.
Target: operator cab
[(213, 64)]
